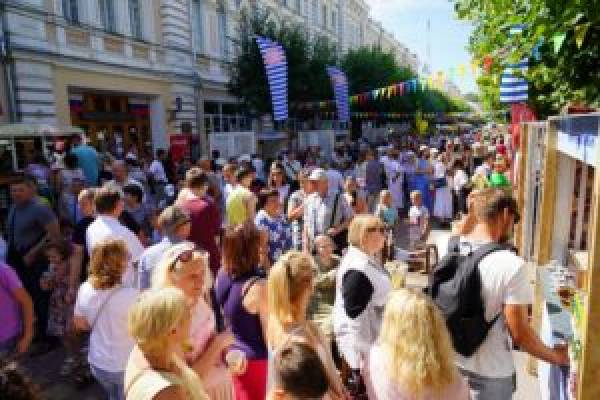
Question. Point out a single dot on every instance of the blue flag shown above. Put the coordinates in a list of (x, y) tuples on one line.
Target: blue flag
[(276, 66), (340, 90)]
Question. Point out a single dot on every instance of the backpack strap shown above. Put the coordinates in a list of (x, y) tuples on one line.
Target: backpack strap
[(453, 244), (479, 255)]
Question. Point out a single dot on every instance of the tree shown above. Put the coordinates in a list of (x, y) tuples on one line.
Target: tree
[(562, 40), (307, 76)]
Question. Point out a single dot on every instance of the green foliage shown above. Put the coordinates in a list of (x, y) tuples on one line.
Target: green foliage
[(565, 33)]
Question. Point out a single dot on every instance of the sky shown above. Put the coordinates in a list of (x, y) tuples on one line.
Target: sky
[(407, 20)]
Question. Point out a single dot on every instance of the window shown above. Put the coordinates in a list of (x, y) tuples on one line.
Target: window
[(324, 16), (223, 40), (298, 6), (107, 15), (71, 11), (333, 20), (135, 18), (198, 25)]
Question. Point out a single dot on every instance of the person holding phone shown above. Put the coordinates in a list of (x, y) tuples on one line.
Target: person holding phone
[(187, 268)]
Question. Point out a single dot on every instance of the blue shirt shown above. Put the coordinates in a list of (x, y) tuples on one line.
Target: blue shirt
[(87, 159), (280, 235), (150, 259)]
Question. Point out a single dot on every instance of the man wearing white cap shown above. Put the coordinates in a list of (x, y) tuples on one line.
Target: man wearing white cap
[(325, 213)]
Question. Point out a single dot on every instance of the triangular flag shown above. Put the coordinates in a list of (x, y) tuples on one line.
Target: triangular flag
[(558, 39), (580, 32), (461, 70)]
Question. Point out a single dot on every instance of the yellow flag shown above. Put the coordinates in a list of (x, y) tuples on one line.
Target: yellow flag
[(461, 70)]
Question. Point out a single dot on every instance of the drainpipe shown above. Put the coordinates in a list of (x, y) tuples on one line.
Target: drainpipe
[(9, 68)]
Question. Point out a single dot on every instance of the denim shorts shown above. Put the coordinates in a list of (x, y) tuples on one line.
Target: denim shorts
[(112, 382), (484, 388)]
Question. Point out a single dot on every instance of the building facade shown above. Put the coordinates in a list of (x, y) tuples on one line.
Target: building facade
[(133, 72)]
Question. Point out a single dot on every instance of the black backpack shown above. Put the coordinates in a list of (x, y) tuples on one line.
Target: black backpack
[(455, 287)]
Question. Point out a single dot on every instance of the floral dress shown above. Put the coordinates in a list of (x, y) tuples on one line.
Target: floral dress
[(60, 312)]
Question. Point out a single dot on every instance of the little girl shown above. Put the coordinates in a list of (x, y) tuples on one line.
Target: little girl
[(60, 306), (385, 210), (389, 215), (418, 216)]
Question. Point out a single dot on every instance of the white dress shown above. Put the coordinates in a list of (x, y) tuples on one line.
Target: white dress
[(442, 207), (395, 178)]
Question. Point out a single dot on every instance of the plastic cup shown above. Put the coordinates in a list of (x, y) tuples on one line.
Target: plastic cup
[(235, 360)]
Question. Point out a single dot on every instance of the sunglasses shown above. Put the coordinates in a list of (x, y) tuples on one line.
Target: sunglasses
[(373, 229), (184, 256)]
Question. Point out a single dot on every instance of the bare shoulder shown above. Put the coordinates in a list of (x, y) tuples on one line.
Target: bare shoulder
[(257, 293), (172, 392)]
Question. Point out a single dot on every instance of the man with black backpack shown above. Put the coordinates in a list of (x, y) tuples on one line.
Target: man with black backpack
[(483, 290)]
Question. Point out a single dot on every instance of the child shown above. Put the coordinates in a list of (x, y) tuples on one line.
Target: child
[(60, 306), (385, 210), (418, 216)]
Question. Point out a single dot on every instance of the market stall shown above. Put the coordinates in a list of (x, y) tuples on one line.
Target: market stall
[(564, 238)]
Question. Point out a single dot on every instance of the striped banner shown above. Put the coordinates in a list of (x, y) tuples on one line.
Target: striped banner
[(513, 86), (340, 90), (275, 61)]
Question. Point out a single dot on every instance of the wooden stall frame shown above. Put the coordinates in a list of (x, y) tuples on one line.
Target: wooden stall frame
[(589, 366)]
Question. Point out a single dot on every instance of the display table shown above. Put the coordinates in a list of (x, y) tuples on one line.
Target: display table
[(555, 328)]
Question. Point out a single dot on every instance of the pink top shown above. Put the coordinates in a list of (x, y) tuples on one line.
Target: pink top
[(381, 387), (217, 380)]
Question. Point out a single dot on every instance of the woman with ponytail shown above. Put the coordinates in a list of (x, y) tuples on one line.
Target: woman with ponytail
[(289, 289), (160, 323)]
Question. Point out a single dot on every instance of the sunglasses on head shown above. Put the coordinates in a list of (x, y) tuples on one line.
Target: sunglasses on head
[(184, 256)]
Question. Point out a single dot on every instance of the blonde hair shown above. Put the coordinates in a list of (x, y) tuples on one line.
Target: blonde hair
[(415, 337), (86, 194), (383, 194), (169, 269), (108, 263), (414, 194), (151, 320), (288, 280), (359, 226)]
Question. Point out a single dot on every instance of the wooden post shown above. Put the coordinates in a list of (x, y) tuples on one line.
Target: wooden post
[(589, 367), (522, 182), (543, 245)]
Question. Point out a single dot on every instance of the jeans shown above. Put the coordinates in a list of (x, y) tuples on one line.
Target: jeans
[(484, 388), (112, 382)]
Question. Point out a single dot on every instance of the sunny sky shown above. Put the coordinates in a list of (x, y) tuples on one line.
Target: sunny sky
[(407, 19)]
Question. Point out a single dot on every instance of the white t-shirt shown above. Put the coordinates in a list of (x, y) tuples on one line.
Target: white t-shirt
[(504, 281), (439, 170), (417, 217), (105, 227), (335, 180), (460, 180), (157, 171), (110, 344)]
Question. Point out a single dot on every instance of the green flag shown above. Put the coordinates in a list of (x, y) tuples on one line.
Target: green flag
[(558, 39)]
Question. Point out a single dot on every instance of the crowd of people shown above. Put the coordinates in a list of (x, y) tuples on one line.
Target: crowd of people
[(254, 279)]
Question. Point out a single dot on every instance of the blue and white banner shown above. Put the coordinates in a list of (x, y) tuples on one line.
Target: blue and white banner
[(275, 61), (340, 90), (513, 86)]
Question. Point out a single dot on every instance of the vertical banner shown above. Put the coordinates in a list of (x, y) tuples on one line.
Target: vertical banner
[(275, 61), (340, 90), (513, 86)]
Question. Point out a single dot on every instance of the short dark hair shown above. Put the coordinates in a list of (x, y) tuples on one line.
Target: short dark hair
[(62, 247), (134, 190), (107, 198), (70, 160), (26, 179), (299, 372), (264, 196), (243, 172), (196, 178)]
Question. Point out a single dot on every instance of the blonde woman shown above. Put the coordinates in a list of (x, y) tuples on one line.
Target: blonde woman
[(186, 268), (101, 307), (362, 288), (289, 290), (413, 357), (159, 323)]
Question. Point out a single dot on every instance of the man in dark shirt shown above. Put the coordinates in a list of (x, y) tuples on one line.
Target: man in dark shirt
[(30, 224)]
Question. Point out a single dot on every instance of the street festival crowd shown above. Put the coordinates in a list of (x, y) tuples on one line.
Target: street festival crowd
[(249, 279)]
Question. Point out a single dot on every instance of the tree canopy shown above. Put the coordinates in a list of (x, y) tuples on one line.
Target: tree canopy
[(561, 40)]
